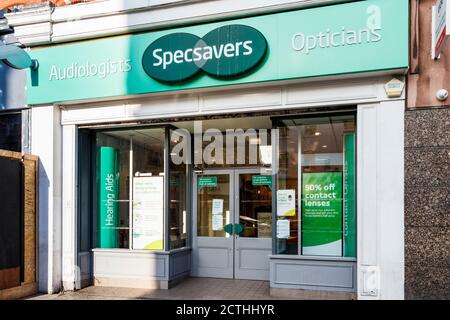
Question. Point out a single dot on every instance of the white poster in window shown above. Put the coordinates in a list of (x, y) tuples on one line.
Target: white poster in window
[(217, 222), (148, 213), (217, 206), (285, 203), (217, 214), (283, 229)]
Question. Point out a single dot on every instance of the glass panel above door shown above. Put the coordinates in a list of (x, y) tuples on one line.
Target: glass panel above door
[(236, 148)]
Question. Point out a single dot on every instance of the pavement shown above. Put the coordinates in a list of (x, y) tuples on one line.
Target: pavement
[(189, 289), (198, 289)]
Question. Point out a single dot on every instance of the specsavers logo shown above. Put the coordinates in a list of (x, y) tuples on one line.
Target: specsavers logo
[(226, 52)]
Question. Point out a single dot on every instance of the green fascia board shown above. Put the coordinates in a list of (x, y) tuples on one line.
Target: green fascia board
[(118, 60)]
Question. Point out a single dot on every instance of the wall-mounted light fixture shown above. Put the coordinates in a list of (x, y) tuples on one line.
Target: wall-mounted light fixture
[(11, 50), (442, 95)]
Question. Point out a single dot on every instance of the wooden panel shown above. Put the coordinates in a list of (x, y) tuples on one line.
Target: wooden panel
[(30, 168), (19, 292), (9, 278), (10, 282), (11, 219)]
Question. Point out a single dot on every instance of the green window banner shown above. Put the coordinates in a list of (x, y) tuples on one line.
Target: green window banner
[(108, 192), (148, 213), (322, 214), (349, 196), (299, 44), (206, 181)]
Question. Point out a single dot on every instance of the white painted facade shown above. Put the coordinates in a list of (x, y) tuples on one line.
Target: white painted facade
[(380, 226), (380, 131)]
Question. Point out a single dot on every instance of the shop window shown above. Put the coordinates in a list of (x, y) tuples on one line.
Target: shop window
[(316, 186), (131, 189), (11, 132), (179, 195)]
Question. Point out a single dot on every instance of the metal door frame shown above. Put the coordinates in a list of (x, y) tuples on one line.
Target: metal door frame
[(210, 172), (233, 203), (237, 200)]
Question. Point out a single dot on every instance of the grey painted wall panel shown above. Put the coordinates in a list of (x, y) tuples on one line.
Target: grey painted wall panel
[(141, 265), (12, 88), (180, 263), (130, 265), (254, 258), (310, 274)]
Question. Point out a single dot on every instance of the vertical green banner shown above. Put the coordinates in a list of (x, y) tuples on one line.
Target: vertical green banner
[(322, 213), (349, 196), (108, 192)]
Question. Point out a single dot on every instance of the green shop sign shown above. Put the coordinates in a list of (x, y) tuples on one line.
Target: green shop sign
[(262, 181), (210, 182), (227, 51), (298, 44), (322, 213)]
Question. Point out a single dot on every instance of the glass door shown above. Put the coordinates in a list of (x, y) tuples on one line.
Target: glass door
[(213, 226), (253, 218), (233, 224)]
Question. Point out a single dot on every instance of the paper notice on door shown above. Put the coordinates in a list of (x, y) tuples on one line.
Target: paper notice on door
[(283, 229), (217, 222), (285, 203), (217, 214), (217, 207)]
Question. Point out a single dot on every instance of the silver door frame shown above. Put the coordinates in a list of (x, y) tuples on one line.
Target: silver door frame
[(239, 242), (195, 238)]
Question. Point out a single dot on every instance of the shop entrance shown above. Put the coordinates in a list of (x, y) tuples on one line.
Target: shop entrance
[(232, 224)]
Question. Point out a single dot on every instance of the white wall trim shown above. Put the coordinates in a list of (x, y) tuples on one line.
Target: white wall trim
[(230, 100), (71, 270), (46, 143), (380, 200), (115, 17)]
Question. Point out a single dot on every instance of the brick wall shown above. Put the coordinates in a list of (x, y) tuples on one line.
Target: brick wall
[(10, 3)]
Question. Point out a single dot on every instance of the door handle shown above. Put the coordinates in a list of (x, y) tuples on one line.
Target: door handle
[(233, 228), (228, 228), (238, 228)]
